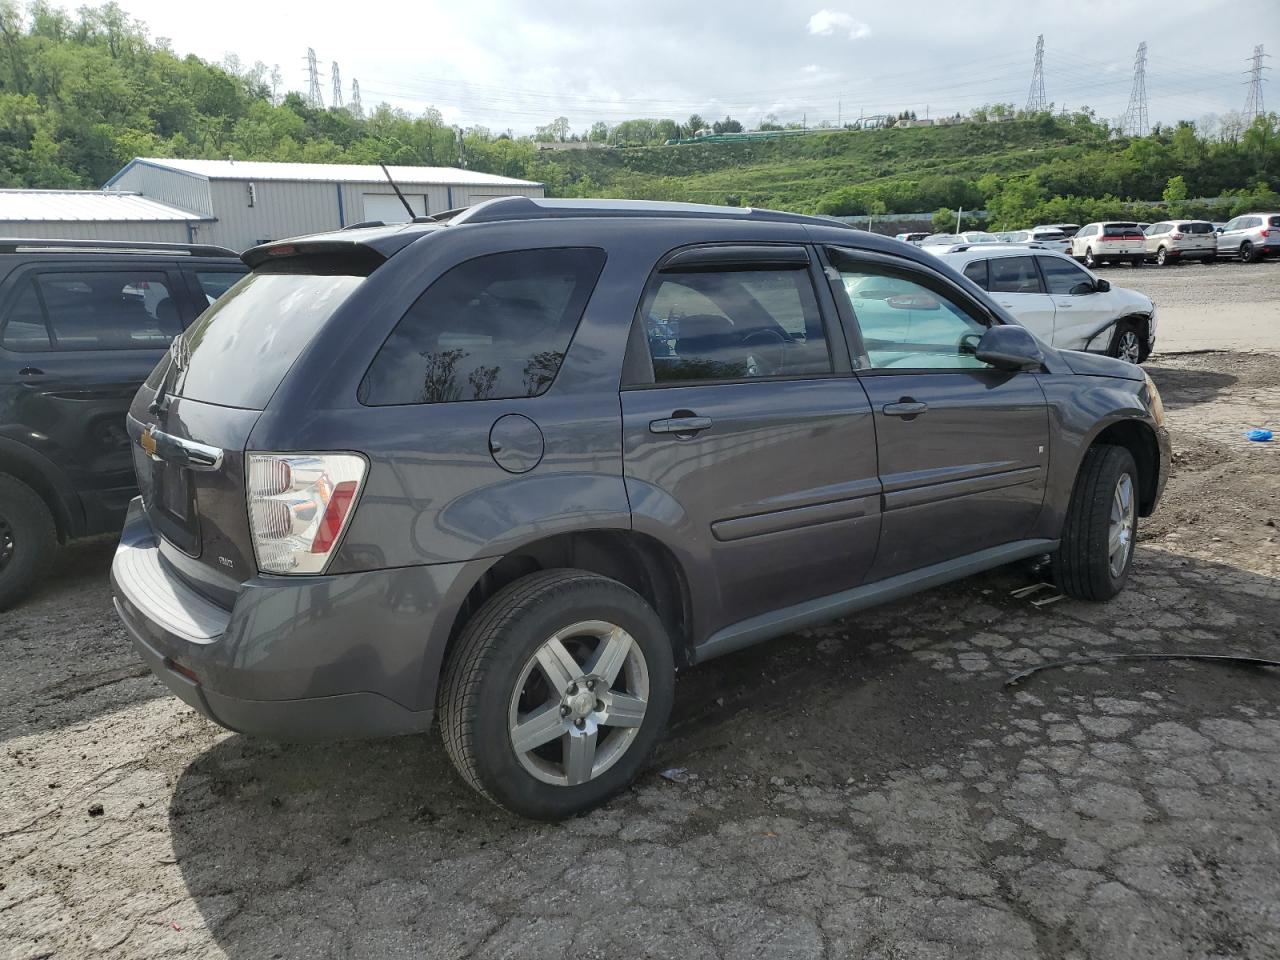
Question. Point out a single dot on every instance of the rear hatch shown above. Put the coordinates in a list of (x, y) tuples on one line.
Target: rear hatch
[(192, 419), (1122, 238), (1194, 235)]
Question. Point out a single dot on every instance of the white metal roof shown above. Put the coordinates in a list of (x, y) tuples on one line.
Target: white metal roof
[(328, 172), (86, 205)]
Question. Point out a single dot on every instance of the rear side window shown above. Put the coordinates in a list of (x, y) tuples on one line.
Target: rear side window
[(977, 272), (238, 351), (496, 327), (1014, 275), (100, 310)]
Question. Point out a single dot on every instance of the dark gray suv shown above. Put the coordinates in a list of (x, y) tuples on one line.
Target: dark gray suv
[(512, 468)]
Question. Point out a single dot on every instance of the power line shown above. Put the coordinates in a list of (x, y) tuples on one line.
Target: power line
[(1036, 102), (1253, 103), (314, 99), (1135, 117), (337, 85)]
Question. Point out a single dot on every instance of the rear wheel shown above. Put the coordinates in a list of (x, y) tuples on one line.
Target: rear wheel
[(556, 693), (28, 538), (1209, 259), (1246, 253), (1095, 555), (1126, 343)]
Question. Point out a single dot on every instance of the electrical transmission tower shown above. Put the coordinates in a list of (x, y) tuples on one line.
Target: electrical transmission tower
[(1253, 104), (1135, 117), (1036, 102), (356, 107), (314, 99), (337, 86)]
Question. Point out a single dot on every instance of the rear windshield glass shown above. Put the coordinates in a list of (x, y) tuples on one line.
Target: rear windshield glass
[(1120, 229), (238, 351), (1199, 226), (1273, 221)]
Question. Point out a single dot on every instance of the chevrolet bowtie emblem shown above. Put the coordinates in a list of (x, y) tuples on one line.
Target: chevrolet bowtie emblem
[(148, 441)]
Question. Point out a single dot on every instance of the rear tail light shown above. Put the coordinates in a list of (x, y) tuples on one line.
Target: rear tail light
[(299, 504), (1176, 236)]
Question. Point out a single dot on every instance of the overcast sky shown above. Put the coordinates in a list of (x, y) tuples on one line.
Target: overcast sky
[(514, 65)]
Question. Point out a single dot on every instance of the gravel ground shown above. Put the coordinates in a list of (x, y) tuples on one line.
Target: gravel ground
[(870, 789)]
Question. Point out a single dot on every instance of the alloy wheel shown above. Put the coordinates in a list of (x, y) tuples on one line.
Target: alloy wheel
[(1162, 256), (579, 703), (1130, 347), (1246, 253), (1120, 530)]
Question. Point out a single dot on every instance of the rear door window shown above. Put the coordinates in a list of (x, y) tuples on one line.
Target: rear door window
[(1014, 275), (124, 309), (238, 351), (496, 327), (977, 272), (734, 325)]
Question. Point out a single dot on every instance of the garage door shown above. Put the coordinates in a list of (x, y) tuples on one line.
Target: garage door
[(388, 208)]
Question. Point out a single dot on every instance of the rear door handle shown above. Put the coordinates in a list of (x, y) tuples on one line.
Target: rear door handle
[(906, 408), (680, 426), (31, 372)]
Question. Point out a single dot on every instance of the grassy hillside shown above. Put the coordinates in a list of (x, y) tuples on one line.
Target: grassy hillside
[(82, 94)]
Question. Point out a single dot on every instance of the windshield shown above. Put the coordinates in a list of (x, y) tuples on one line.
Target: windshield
[(238, 351)]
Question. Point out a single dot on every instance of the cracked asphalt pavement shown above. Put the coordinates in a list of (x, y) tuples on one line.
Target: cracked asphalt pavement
[(869, 789)]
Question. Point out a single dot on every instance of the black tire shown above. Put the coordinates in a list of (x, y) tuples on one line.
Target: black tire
[(1082, 565), (1162, 257), (482, 671), (28, 538), (1247, 254), (1212, 258), (1128, 334), (1137, 261)]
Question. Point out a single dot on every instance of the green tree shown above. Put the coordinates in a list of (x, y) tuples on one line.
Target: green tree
[(1175, 195)]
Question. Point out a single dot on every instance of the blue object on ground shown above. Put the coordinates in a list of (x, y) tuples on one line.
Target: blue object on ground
[(1260, 436)]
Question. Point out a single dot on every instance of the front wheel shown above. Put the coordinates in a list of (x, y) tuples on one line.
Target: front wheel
[(558, 689), (1095, 554), (1127, 344), (1162, 257), (1246, 253)]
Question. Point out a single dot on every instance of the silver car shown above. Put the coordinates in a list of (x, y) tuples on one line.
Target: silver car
[(1172, 240), (1250, 237)]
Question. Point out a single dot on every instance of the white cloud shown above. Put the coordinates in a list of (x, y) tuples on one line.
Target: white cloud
[(824, 23)]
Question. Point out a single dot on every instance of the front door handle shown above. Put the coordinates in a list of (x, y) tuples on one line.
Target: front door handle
[(906, 408), (680, 426), (31, 372)]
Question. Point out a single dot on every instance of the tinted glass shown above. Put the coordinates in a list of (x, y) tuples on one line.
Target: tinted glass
[(1273, 221), (1064, 277), (977, 272), (734, 325), (239, 350), (492, 328), (1014, 275), (214, 284), (905, 325), (24, 326), (1199, 226), (108, 310), (1120, 230)]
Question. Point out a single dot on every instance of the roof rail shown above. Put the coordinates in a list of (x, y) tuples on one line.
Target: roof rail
[(529, 208), (43, 245)]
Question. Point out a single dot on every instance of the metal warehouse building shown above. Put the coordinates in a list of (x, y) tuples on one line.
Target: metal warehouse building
[(238, 204), (94, 215)]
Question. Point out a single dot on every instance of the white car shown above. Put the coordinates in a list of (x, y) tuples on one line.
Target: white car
[(1061, 302), (913, 238), (941, 240), (1112, 241)]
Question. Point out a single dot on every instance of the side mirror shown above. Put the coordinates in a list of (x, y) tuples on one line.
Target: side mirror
[(1010, 347), (1102, 286), (1217, 229)]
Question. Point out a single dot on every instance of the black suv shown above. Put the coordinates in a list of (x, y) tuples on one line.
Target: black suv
[(82, 323), (512, 468)]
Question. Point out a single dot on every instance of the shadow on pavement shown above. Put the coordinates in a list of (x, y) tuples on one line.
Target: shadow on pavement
[(372, 848)]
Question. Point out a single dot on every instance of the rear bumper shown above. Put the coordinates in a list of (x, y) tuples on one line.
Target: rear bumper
[(307, 658)]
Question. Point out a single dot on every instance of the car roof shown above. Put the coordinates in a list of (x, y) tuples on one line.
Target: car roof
[(387, 239)]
